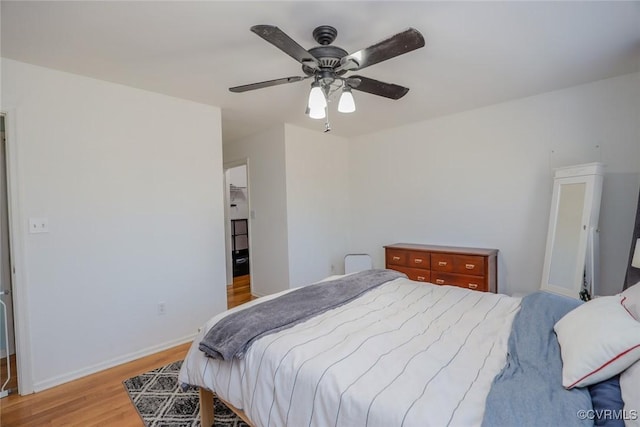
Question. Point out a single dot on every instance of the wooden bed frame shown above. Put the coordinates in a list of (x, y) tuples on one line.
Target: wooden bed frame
[(207, 409)]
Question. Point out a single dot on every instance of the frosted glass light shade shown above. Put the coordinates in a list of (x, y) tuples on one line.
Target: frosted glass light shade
[(635, 262), (317, 113), (316, 98), (346, 104)]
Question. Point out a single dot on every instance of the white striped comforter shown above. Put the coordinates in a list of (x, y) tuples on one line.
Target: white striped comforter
[(404, 354)]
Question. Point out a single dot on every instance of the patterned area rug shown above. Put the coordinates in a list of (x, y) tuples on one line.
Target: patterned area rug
[(161, 402)]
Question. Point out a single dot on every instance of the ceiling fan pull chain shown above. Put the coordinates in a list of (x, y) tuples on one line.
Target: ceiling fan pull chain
[(327, 125)]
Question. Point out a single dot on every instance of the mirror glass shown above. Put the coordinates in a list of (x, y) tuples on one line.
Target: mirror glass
[(566, 241)]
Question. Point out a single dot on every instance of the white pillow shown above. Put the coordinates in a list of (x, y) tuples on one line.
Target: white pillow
[(630, 387), (598, 340), (632, 301)]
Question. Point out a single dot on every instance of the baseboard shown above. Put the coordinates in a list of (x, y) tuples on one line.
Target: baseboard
[(65, 378)]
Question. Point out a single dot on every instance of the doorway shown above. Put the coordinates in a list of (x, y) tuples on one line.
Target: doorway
[(8, 372), (237, 218)]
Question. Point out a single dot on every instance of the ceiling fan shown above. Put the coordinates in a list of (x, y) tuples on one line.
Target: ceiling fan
[(327, 66)]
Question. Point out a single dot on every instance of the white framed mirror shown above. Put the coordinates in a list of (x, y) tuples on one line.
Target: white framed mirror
[(570, 262)]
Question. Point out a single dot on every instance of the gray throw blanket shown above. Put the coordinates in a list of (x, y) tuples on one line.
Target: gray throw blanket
[(233, 334)]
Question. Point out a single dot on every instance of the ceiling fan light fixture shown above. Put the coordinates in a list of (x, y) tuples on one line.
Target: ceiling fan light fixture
[(346, 103), (317, 113), (316, 98)]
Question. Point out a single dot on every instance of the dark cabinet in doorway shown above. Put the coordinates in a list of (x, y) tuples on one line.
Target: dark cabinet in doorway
[(240, 246)]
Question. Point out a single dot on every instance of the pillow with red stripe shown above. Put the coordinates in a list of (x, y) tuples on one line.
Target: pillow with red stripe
[(632, 301), (598, 339)]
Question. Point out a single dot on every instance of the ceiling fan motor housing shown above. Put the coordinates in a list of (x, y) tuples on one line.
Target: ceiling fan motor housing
[(328, 56), (325, 34)]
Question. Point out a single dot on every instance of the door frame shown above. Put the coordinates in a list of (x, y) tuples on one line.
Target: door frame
[(10, 329), (227, 217), (16, 248)]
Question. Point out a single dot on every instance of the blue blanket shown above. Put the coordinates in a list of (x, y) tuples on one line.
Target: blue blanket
[(528, 391)]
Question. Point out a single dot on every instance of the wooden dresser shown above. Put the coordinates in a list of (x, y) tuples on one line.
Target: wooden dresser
[(471, 268)]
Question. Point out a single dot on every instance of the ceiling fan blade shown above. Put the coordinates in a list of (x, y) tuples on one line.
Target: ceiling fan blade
[(391, 47), (376, 87), (279, 39), (268, 83)]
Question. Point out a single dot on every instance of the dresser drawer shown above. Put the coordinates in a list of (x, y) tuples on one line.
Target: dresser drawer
[(469, 264), (397, 257), (419, 260), (442, 262), (460, 280), (416, 274)]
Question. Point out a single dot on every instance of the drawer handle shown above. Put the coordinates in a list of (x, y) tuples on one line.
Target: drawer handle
[(469, 266), (440, 281), (417, 261), (442, 263), (421, 278), (396, 258), (473, 286)]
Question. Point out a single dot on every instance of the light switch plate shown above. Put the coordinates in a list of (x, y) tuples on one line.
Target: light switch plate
[(38, 225)]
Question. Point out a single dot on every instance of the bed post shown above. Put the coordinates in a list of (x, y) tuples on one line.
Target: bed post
[(206, 408)]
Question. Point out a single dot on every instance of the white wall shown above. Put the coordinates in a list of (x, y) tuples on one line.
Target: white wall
[(298, 191), (268, 251), (317, 204), (238, 176), (131, 183), (484, 178)]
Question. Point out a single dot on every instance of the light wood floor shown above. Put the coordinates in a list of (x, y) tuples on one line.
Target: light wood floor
[(239, 292), (99, 399)]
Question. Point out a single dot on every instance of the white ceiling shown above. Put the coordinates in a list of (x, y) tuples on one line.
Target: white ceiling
[(477, 53)]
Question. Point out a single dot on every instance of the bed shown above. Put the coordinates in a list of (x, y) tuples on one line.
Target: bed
[(404, 353)]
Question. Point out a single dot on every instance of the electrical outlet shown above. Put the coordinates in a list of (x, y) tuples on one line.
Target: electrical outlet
[(162, 308), (38, 225)]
